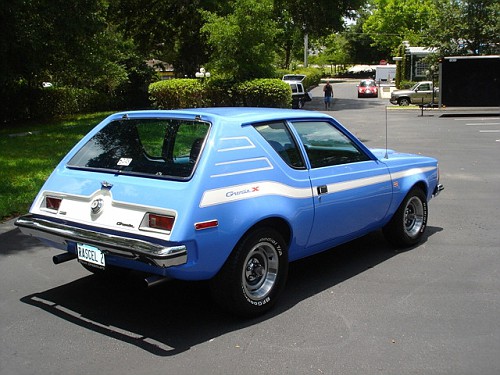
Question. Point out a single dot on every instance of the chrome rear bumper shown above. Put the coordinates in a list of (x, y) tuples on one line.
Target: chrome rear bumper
[(118, 245)]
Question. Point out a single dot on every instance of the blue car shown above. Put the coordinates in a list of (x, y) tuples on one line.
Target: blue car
[(230, 195)]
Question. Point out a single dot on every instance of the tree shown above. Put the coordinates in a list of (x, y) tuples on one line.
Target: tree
[(393, 21), (464, 27), (316, 18), (242, 41), (67, 43), (167, 30), (360, 45)]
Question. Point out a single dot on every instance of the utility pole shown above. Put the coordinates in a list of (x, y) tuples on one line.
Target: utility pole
[(306, 48)]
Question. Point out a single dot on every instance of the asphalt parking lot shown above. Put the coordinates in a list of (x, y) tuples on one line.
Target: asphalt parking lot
[(362, 308)]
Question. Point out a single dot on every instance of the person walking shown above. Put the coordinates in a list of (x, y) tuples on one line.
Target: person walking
[(328, 90)]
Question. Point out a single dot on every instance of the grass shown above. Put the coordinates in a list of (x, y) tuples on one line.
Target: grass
[(28, 154)]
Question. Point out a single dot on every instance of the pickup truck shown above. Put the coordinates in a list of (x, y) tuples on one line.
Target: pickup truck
[(420, 94)]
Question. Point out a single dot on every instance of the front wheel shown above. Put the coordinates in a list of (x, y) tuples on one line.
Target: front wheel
[(252, 278), (410, 220), (404, 101)]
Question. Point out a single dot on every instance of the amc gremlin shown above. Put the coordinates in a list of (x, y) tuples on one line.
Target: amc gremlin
[(230, 195)]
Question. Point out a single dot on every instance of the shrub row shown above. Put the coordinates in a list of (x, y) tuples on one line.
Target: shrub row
[(191, 93), (24, 103)]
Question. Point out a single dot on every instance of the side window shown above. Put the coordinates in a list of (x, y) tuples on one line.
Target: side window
[(326, 145), (280, 139)]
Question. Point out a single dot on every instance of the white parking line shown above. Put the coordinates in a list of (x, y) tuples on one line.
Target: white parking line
[(489, 131), (479, 119), (483, 123)]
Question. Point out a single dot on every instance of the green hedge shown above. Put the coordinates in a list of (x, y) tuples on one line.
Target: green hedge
[(177, 93), (266, 93), (24, 103), (190, 93)]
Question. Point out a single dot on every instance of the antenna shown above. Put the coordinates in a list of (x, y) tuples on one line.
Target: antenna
[(386, 146)]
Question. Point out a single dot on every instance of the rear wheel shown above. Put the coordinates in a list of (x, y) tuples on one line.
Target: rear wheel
[(254, 275), (410, 220)]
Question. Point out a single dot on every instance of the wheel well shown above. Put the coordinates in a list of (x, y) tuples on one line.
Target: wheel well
[(422, 186), (276, 223)]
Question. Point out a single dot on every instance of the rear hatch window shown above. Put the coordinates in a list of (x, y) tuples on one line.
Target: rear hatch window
[(166, 148)]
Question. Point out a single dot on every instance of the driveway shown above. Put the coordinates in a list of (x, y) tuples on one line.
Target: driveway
[(361, 308)]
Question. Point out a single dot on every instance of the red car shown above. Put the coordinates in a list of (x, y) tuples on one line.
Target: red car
[(367, 89)]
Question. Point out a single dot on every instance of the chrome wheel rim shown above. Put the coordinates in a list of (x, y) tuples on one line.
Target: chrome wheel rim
[(260, 271), (414, 217)]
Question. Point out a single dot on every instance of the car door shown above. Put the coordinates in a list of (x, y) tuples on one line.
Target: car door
[(352, 190), (423, 94)]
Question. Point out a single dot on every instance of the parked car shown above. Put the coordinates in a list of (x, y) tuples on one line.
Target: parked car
[(367, 88), (230, 195), (420, 94), (299, 95)]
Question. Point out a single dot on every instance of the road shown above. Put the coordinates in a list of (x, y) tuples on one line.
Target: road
[(362, 308)]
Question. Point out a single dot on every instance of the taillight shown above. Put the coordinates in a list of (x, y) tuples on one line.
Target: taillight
[(162, 222), (53, 203)]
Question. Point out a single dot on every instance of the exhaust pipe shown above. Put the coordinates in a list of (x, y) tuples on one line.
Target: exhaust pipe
[(64, 257), (154, 280)]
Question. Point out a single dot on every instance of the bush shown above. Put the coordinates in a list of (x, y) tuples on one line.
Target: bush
[(403, 85), (265, 93), (189, 93), (25, 103), (177, 93), (58, 101), (222, 93)]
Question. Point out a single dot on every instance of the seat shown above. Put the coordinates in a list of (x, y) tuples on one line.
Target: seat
[(195, 150)]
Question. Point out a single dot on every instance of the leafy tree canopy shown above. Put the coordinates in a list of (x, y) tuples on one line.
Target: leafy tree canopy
[(393, 21), (242, 41), (464, 27)]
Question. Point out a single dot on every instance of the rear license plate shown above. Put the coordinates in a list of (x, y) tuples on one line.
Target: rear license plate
[(90, 254)]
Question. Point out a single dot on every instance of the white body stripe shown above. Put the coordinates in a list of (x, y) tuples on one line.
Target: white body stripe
[(249, 144), (253, 190), (411, 172), (241, 171), (265, 188)]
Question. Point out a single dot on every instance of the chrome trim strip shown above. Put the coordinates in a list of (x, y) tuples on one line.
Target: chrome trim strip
[(115, 244)]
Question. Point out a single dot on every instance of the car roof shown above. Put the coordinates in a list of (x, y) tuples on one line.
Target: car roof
[(294, 77), (233, 114)]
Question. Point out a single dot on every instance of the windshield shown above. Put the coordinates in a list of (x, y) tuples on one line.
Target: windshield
[(156, 147), (367, 84), (415, 86)]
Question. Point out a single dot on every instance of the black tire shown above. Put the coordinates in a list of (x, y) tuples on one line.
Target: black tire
[(254, 275), (409, 221), (404, 101)]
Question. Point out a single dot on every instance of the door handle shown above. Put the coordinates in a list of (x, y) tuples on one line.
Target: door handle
[(323, 189)]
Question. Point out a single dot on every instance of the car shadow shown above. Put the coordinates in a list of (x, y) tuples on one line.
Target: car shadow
[(13, 241), (317, 104), (173, 317)]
